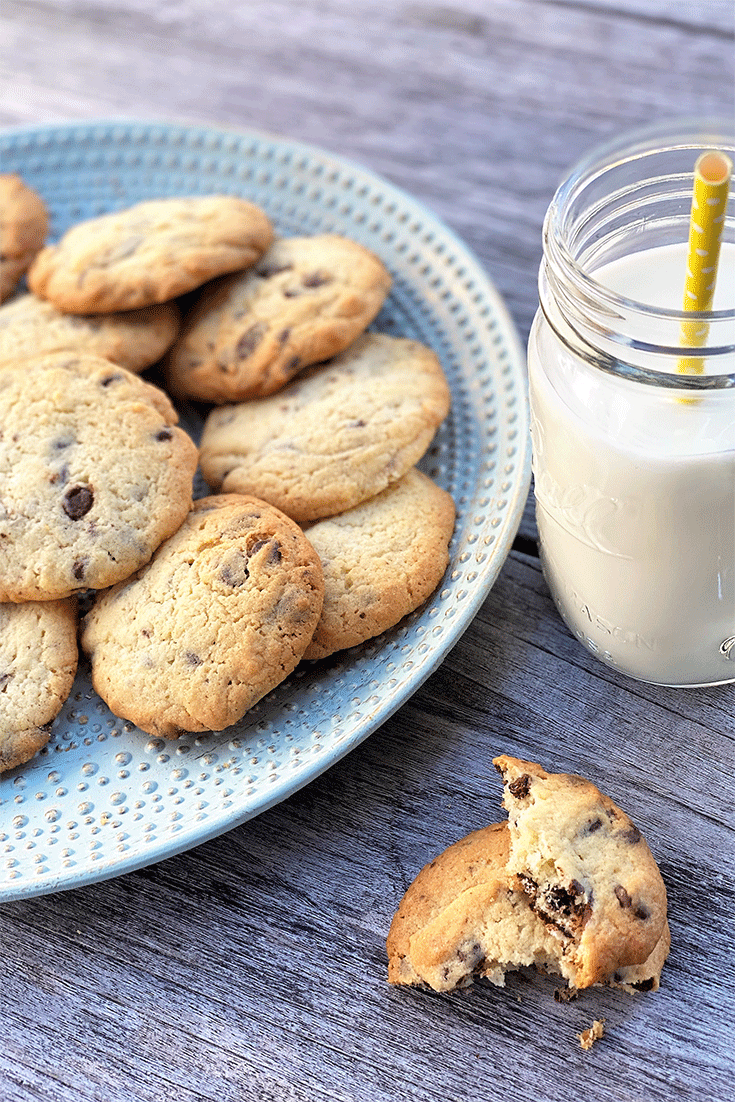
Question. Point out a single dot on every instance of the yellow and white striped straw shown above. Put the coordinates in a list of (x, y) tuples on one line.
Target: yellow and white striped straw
[(709, 205)]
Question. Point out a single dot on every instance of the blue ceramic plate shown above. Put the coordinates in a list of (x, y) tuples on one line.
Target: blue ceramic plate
[(103, 798)]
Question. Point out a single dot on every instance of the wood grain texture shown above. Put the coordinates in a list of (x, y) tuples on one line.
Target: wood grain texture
[(253, 968), (444, 100)]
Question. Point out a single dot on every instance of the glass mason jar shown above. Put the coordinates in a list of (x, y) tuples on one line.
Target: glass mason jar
[(634, 462)]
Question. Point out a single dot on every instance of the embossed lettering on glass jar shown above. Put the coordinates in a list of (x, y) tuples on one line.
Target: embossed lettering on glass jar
[(634, 463)]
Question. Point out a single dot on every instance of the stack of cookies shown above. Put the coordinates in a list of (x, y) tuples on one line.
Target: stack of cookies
[(320, 533)]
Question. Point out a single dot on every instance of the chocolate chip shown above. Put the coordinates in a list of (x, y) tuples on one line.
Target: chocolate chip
[(565, 908), (631, 835), (591, 827), (250, 340), (284, 335), (520, 786), (274, 555), (61, 443), (145, 633), (471, 955), (269, 270), (529, 884), (108, 379), (77, 502), (234, 572), (555, 906), (642, 912), (78, 569), (164, 434), (231, 578), (622, 896), (192, 659), (316, 279), (560, 899), (293, 365), (5, 678)]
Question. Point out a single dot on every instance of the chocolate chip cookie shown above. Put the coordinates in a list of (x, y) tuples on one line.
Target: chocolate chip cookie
[(305, 300), (38, 661), (94, 474), (334, 437), (149, 253), (220, 616), (23, 229), (567, 885), (463, 916), (135, 339), (381, 560), (585, 868)]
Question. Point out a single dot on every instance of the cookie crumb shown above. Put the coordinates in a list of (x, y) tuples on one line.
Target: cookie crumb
[(588, 1036)]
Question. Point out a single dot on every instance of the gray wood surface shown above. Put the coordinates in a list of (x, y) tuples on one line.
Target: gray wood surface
[(254, 966)]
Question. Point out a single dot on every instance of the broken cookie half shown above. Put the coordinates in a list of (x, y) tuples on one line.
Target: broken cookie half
[(568, 884)]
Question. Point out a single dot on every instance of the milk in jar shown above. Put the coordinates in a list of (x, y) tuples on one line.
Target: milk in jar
[(634, 465)]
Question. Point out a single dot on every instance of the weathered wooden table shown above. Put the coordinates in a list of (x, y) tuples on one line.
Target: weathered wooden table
[(254, 966)]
